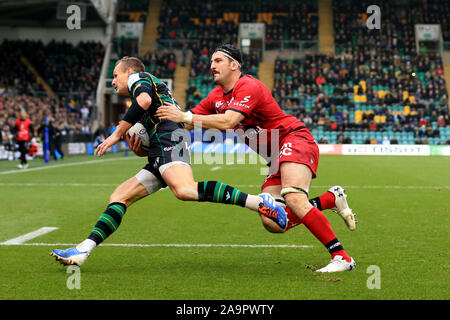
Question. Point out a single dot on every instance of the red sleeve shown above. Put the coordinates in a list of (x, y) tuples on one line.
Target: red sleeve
[(246, 98), (205, 107)]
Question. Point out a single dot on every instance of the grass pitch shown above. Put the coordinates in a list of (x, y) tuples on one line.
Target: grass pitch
[(401, 202)]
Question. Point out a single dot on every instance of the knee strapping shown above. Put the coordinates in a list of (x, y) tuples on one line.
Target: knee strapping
[(288, 190)]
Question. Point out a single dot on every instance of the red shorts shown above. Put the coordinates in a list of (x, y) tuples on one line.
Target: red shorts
[(299, 147)]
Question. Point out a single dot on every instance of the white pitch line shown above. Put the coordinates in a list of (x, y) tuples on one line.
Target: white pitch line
[(178, 245), (28, 236), (65, 165), (215, 168), (360, 187), (58, 184), (389, 187)]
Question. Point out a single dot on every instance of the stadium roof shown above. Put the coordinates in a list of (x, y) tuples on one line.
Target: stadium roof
[(43, 13)]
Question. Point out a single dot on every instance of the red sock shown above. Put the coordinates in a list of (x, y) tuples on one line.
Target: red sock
[(293, 219), (343, 254), (320, 227), (327, 200)]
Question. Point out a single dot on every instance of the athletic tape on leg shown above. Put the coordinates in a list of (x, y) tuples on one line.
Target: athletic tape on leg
[(288, 190)]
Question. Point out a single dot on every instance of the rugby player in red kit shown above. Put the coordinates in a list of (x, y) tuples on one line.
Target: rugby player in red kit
[(244, 104)]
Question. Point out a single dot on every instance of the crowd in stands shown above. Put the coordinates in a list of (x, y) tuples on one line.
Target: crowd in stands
[(161, 63), (398, 20), (69, 68), (71, 71), (65, 67), (383, 78), (63, 115), (375, 83), (208, 23), (298, 23), (356, 91), (431, 12), (132, 11), (15, 76)]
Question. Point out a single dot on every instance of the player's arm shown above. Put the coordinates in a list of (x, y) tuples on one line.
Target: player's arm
[(134, 113), (224, 121), (227, 120)]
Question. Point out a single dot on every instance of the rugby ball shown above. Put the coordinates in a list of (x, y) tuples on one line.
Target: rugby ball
[(139, 130)]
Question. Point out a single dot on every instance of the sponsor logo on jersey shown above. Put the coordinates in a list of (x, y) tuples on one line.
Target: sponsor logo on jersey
[(243, 102), (220, 105), (169, 148)]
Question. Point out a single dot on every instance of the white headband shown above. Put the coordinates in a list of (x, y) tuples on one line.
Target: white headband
[(229, 56)]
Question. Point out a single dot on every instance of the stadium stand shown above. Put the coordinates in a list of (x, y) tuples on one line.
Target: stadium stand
[(217, 22), (67, 120), (65, 67), (207, 24), (71, 71), (350, 91), (132, 11), (15, 76), (376, 86), (162, 64), (360, 86)]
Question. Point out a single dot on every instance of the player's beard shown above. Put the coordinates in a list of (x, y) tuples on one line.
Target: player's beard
[(217, 79), (214, 76)]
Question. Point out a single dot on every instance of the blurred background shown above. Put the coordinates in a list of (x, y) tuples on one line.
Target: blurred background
[(353, 76)]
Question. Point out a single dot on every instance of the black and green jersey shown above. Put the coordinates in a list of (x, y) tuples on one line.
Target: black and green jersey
[(139, 82)]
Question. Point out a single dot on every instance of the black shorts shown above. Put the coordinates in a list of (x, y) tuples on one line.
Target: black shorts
[(166, 148)]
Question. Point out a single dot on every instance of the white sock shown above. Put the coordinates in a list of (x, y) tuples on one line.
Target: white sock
[(86, 245), (253, 202)]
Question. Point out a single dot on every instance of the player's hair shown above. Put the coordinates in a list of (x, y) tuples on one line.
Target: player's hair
[(131, 62), (231, 52)]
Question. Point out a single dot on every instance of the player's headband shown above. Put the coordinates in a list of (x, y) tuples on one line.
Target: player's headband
[(229, 55)]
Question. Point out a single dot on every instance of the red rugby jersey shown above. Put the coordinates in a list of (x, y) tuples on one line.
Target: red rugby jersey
[(254, 100), (23, 129)]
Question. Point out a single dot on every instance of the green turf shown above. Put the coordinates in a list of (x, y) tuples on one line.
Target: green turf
[(402, 206)]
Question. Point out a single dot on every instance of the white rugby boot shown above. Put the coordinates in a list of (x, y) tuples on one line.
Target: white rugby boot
[(338, 264), (342, 208)]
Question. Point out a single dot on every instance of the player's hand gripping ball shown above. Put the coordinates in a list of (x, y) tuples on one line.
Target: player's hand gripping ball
[(139, 131)]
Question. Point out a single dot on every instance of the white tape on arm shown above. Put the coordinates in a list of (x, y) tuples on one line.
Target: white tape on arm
[(187, 117)]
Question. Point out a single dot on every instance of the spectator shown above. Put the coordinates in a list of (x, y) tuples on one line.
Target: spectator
[(84, 112), (7, 141), (23, 129), (347, 140), (55, 136), (99, 139), (394, 140)]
